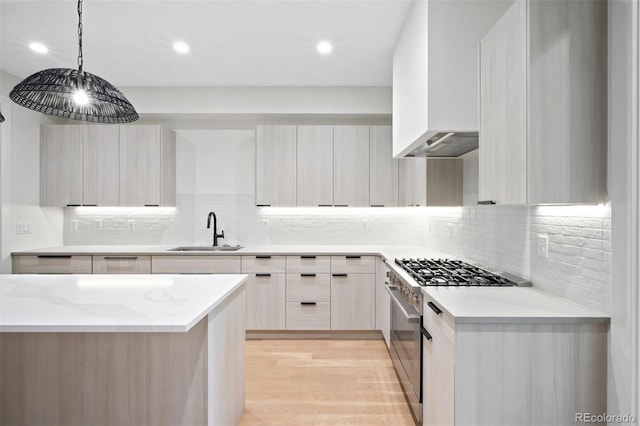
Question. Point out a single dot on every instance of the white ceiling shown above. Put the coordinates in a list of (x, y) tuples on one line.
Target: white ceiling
[(233, 42)]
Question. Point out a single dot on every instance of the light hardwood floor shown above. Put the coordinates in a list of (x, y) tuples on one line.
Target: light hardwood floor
[(322, 382)]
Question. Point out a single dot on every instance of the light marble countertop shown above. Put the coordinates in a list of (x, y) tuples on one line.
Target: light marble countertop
[(155, 250), (110, 303), (524, 305)]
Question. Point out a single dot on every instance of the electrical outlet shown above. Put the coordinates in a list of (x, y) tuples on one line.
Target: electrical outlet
[(23, 227), (74, 225), (364, 223), (265, 224), (131, 223), (543, 246), (98, 224)]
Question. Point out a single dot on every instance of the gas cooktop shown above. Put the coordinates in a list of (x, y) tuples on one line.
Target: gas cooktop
[(447, 272)]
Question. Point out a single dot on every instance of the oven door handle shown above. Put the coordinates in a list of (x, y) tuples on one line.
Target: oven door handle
[(404, 306)]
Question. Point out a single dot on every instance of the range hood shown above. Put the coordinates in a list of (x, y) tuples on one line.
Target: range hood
[(446, 144)]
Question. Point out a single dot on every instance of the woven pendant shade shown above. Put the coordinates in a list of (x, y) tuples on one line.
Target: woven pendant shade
[(51, 92)]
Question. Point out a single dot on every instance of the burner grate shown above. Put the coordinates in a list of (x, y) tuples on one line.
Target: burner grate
[(448, 272)]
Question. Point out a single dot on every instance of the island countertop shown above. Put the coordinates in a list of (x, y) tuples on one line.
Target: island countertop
[(110, 303)]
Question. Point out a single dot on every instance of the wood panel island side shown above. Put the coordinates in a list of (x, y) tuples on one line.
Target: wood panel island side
[(122, 349)]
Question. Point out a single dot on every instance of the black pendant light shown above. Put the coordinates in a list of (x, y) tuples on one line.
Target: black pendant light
[(1, 118), (74, 93)]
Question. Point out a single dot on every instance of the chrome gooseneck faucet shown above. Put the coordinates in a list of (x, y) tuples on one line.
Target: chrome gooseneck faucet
[(215, 228)]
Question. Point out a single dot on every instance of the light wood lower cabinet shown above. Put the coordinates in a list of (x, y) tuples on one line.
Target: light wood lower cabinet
[(308, 315), (308, 287), (179, 264), (51, 264), (266, 301), (353, 301), (511, 373), (121, 264)]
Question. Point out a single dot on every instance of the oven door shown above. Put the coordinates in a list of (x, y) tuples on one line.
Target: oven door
[(406, 348)]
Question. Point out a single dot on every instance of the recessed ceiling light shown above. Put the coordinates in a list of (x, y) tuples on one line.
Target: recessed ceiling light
[(324, 47), (38, 47), (181, 47)]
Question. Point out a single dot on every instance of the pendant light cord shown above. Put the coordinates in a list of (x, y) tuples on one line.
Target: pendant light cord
[(80, 59)]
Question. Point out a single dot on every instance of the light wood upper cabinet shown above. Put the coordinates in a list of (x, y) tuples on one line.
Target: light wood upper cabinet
[(276, 165), (543, 97), (383, 168), (315, 166), (61, 165), (444, 181), (503, 131), (147, 166), (351, 166), (413, 182), (101, 165), (567, 104)]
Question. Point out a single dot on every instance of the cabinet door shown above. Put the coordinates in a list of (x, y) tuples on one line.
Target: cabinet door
[(61, 165), (383, 168), (276, 166), (51, 264), (140, 176), (438, 384), (353, 301), (567, 102), (315, 166), (413, 182), (266, 308), (503, 126), (101, 165), (118, 264), (444, 182), (351, 166)]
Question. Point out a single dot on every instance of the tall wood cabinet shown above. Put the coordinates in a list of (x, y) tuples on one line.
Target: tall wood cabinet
[(61, 165), (351, 166), (276, 165), (101, 165), (147, 166), (315, 166), (383, 168), (543, 97)]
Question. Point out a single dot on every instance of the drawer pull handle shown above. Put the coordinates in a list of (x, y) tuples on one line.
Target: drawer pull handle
[(90, 205), (73, 205), (341, 205), (486, 203), (353, 257), (325, 205), (377, 205), (120, 257), (425, 333), (434, 308), (339, 275), (308, 303), (263, 275), (307, 257), (263, 257), (263, 205), (54, 256), (152, 205), (307, 275)]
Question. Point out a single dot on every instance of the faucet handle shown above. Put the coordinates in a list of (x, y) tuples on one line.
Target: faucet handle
[(221, 234)]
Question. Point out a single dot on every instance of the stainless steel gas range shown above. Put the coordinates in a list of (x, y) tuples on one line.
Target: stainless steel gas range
[(406, 311)]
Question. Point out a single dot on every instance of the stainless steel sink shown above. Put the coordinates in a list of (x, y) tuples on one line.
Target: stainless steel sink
[(206, 248)]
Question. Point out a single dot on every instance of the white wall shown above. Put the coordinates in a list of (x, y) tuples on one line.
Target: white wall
[(20, 185)]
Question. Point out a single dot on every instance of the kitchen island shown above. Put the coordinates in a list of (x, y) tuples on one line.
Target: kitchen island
[(122, 349)]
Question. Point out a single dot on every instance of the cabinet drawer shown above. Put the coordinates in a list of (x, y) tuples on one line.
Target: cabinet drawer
[(121, 264), (195, 265), (263, 263), (309, 263), (308, 287), (353, 264), (308, 316), (441, 326), (52, 264)]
